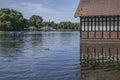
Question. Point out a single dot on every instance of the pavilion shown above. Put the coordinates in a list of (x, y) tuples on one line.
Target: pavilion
[(99, 20)]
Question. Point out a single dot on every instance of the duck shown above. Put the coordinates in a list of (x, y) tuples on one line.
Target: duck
[(47, 48)]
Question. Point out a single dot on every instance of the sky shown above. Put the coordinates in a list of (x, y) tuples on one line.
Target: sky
[(49, 10)]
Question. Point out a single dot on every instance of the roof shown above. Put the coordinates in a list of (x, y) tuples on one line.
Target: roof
[(98, 8)]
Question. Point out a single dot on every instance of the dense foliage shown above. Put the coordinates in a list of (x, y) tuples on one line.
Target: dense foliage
[(12, 20), (36, 21), (68, 25)]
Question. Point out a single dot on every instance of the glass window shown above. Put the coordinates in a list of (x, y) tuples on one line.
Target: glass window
[(100, 18), (115, 28), (83, 28), (100, 28), (104, 28), (96, 19), (119, 28), (83, 24), (112, 28), (97, 23), (119, 17), (90, 28), (108, 28), (82, 19), (86, 28), (108, 18), (104, 23), (116, 18), (111, 18), (86, 19), (104, 18), (116, 25), (93, 28), (93, 19), (108, 23), (89, 19), (96, 28)]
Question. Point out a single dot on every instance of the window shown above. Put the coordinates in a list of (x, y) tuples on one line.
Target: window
[(104, 19), (89, 19), (96, 28), (116, 19), (100, 18), (93, 28), (112, 28), (90, 26), (115, 28), (119, 28), (108, 26), (112, 18), (86, 28), (108, 18), (116, 25), (83, 24), (104, 28), (82, 19), (96, 19)]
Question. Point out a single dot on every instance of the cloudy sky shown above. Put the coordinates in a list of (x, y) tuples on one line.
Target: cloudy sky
[(53, 10)]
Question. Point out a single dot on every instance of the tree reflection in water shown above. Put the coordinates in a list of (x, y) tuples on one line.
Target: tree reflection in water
[(100, 61)]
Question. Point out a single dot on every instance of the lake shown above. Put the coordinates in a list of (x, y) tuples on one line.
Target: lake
[(39, 56)]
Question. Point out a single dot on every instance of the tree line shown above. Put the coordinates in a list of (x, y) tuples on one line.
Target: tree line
[(12, 20)]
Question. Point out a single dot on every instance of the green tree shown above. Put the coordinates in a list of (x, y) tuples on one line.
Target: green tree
[(68, 25), (11, 20), (36, 21)]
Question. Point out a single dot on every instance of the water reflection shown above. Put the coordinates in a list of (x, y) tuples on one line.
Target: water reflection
[(100, 61), (10, 45)]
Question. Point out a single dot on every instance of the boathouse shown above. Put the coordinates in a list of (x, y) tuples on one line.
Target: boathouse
[(99, 20)]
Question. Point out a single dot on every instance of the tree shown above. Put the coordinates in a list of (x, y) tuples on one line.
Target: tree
[(68, 25), (11, 20), (36, 21)]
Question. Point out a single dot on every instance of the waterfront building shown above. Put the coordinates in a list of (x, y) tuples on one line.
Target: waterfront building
[(99, 20)]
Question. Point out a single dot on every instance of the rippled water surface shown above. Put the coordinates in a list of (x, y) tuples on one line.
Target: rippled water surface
[(39, 56)]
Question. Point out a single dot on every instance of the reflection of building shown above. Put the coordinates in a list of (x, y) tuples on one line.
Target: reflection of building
[(99, 19), (100, 61), (99, 55)]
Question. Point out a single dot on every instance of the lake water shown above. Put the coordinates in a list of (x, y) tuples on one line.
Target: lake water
[(39, 56)]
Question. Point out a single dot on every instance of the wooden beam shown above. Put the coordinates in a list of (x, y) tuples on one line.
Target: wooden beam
[(95, 27), (81, 27), (110, 27), (102, 26), (87, 26), (117, 27)]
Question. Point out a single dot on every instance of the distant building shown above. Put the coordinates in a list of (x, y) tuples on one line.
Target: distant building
[(32, 28), (47, 28), (99, 20)]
